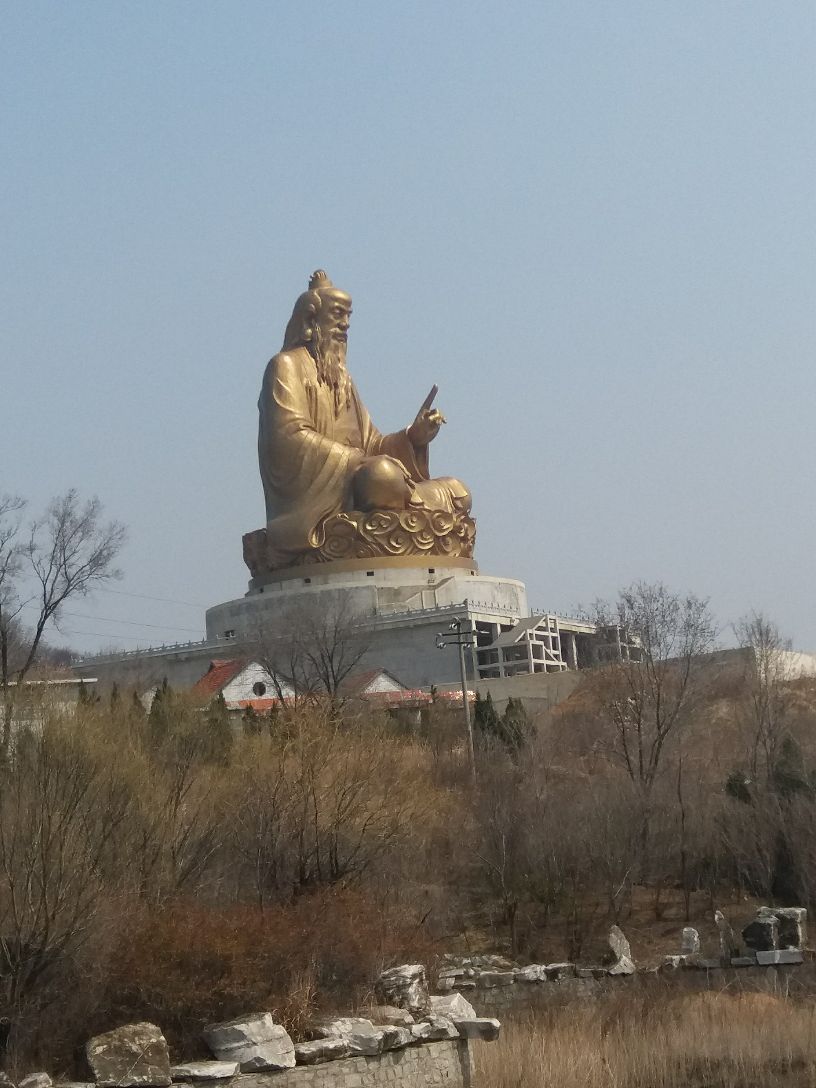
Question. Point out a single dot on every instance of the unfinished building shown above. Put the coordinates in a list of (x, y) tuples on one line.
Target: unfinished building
[(549, 643)]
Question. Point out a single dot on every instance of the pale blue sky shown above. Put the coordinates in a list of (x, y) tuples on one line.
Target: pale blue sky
[(591, 223)]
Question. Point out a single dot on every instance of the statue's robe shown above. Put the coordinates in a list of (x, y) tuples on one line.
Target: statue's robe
[(309, 449)]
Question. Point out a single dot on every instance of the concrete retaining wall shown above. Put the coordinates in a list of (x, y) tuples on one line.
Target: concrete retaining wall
[(445, 1064)]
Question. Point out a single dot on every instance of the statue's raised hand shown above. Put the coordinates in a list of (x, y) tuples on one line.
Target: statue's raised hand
[(425, 427)]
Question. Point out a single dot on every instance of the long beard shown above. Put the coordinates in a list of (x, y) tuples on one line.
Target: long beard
[(330, 360)]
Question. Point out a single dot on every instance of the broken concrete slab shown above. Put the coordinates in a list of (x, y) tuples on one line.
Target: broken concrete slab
[(779, 957), (485, 1028)]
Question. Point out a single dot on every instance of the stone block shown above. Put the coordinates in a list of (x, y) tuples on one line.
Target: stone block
[(624, 966), (780, 956), (762, 934), (395, 1038), (792, 926), (534, 972), (743, 961), (433, 1027), (361, 1036), (729, 945), (485, 1028), (454, 1006), (690, 941), (133, 1056), (205, 1071), (709, 964), (256, 1042), (619, 947), (317, 1051), (405, 986)]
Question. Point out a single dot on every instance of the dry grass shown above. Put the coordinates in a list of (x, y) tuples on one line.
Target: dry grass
[(703, 1040)]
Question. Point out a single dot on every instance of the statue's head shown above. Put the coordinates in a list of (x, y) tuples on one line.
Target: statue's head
[(321, 314), (320, 322)]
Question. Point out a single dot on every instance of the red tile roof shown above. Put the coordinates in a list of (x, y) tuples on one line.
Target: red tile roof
[(217, 677)]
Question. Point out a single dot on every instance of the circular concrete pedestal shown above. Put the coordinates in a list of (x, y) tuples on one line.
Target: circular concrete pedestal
[(396, 607)]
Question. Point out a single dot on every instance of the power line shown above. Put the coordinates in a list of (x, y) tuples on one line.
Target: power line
[(101, 634), (127, 623), (146, 597)]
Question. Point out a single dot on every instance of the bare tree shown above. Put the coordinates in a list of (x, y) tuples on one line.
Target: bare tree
[(644, 704), (11, 563), (312, 651), (766, 702), (63, 801), (649, 700), (66, 553)]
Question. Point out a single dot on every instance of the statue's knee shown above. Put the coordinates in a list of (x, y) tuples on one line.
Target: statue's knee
[(380, 484), (461, 498)]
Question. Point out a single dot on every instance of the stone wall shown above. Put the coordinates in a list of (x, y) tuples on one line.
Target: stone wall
[(415, 1040), (444, 1064)]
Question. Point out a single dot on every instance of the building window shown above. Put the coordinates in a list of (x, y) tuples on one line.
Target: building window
[(230, 633), (259, 689), (369, 574), (307, 581)]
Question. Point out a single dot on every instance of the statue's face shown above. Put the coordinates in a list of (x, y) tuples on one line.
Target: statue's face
[(333, 318)]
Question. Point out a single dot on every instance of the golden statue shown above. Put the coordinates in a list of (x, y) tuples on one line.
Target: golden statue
[(335, 487)]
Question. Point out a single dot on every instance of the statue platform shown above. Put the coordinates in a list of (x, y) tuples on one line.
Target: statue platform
[(398, 603)]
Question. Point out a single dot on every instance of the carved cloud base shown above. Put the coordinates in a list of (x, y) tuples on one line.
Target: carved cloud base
[(379, 533)]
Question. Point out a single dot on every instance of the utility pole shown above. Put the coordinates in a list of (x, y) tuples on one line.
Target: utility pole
[(459, 634)]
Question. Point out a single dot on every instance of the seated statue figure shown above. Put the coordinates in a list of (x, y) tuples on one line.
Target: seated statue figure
[(322, 459)]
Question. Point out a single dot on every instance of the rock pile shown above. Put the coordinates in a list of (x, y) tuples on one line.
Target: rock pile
[(775, 937), (137, 1055), (489, 972)]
